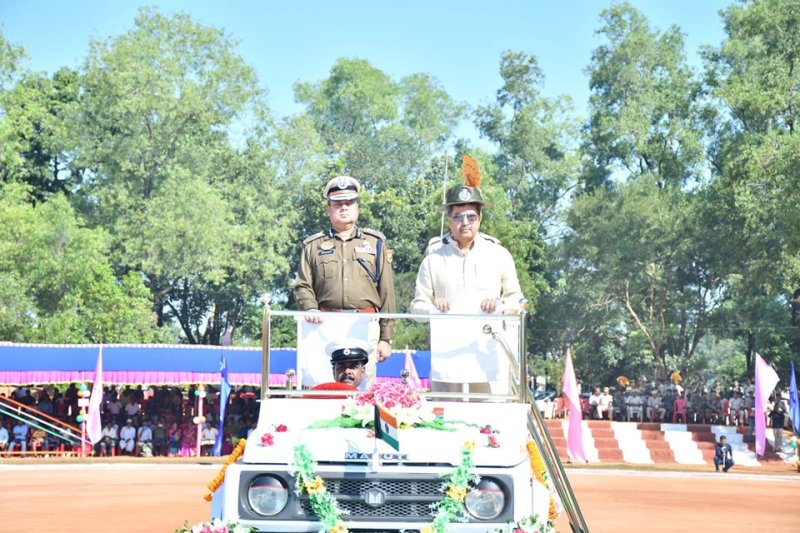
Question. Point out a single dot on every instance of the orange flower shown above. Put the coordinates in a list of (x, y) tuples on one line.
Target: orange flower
[(207, 497), (552, 513)]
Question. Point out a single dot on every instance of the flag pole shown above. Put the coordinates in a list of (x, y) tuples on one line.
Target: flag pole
[(444, 197)]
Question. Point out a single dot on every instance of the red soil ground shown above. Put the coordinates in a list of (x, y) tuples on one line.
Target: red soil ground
[(134, 497)]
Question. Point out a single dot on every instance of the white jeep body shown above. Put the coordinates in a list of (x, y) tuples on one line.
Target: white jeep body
[(394, 492)]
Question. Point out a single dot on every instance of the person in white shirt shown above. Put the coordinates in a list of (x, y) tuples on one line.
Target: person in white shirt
[(604, 405), (462, 269), (127, 437), (110, 436), (144, 439), (207, 439), (3, 438)]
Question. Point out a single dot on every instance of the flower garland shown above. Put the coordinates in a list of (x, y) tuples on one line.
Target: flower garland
[(460, 481), (215, 526), (232, 458), (540, 471), (322, 503)]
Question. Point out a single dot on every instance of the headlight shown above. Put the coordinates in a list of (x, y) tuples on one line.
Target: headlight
[(267, 495), (486, 501)]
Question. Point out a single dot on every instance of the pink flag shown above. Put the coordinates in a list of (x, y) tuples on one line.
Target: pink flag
[(413, 376), (94, 427), (575, 433), (766, 379)]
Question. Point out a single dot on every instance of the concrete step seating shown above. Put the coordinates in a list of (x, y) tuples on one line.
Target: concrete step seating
[(649, 443)]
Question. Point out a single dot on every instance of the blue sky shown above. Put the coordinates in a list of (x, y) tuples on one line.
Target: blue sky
[(458, 43)]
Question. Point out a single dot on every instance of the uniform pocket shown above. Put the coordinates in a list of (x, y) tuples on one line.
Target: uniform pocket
[(330, 268)]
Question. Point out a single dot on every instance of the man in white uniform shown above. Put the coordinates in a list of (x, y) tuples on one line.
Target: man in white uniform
[(127, 437), (467, 272)]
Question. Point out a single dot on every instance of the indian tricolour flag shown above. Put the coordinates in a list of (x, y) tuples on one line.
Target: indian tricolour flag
[(386, 427)]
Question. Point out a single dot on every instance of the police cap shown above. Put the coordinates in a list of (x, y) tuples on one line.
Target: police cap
[(348, 350), (342, 188), (463, 194)]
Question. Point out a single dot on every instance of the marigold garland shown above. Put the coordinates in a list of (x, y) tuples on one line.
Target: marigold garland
[(220, 477), (322, 503), (460, 481), (539, 470)]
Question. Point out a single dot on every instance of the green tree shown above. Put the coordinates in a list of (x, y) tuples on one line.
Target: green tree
[(753, 77), (58, 285), (190, 204)]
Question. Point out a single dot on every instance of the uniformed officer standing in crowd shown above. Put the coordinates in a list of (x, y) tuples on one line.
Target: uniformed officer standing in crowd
[(348, 268)]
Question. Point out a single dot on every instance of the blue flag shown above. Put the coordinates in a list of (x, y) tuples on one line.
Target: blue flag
[(224, 392), (794, 402)]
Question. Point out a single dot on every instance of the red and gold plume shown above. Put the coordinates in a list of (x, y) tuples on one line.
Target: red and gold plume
[(470, 172)]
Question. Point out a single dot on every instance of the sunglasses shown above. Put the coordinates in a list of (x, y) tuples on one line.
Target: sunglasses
[(464, 217)]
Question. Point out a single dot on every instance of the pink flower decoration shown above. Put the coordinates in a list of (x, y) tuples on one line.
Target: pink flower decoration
[(267, 439), (390, 395), (486, 430), (281, 428), (493, 442)]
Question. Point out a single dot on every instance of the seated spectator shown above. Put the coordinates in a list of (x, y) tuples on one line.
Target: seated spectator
[(174, 439), (39, 441), (655, 410), (20, 437), (680, 409), (110, 437), (127, 438), (144, 439), (605, 404), (594, 400), (634, 404), (159, 439), (3, 437), (737, 408), (208, 438)]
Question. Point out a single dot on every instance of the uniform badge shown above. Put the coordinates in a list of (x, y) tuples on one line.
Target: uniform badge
[(326, 245), (389, 255), (365, 248), (464, 195), (341, 183)]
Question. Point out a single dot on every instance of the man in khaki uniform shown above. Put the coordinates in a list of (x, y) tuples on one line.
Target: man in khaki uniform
[(348, 268)]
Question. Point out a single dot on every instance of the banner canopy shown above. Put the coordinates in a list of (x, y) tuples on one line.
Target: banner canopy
[(159, 364)]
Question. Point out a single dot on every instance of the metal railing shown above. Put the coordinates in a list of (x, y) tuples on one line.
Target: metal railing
[(519, 390)]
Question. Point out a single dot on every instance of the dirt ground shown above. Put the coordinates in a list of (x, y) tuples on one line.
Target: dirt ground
[(134, 497)]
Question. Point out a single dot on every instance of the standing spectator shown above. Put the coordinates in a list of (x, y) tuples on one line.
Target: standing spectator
[(127, 438), (20, 432), (133, 410), (723, 455), (751, 416), (114, 408), (777, 416)]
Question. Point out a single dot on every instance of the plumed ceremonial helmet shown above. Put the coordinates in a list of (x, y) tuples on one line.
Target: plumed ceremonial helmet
[(464, 194), (348, 350), (342, 188)]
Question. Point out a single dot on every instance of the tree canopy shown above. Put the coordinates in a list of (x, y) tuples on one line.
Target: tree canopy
[(152, 195)]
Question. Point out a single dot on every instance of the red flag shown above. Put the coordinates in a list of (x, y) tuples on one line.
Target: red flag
[(94, 426), (575, 433)]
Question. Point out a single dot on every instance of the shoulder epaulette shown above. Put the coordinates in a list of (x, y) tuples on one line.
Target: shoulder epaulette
[(491, 239), (313, 237), (374, 233)]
